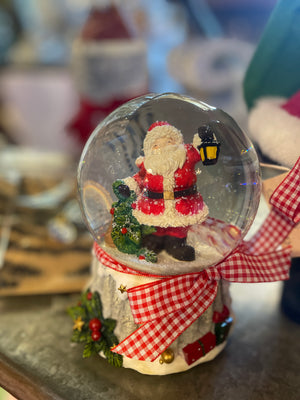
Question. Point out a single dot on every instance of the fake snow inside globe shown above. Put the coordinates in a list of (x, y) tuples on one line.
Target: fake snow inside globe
[(168, 184), (169, 187)]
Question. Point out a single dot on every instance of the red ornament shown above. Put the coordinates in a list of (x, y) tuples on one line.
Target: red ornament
[(124, 231), (89, 295), (95, 324), (142, 257), (112, 211), (96, 335)]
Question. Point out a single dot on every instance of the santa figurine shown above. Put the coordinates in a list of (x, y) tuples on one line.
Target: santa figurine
[(166, 187)]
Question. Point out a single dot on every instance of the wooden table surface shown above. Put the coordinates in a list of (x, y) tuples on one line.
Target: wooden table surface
[(261, 360)]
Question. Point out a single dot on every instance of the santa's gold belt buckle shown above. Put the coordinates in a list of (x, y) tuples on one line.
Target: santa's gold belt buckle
[(168, 195)]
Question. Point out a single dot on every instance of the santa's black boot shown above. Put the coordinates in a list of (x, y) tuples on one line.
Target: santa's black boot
[(154, 243), (178, 248)]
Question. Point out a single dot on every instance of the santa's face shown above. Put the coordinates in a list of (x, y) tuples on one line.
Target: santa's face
[(161, 143), (165, 156)]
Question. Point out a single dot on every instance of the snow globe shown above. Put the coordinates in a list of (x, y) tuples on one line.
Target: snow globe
[(168, 187)]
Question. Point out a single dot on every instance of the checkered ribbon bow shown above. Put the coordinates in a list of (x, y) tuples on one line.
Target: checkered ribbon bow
[(167, 307)]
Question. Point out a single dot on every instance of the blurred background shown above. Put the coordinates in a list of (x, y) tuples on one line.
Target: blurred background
[(64, 66), (56, 55)]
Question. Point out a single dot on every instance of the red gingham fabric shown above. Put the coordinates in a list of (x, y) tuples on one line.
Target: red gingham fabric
[(168, 306), (110, 262), (273, 232), (286, 197), (284, 215), (154, 336)]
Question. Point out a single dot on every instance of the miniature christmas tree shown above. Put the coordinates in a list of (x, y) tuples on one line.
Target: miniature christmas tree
[(127, 232)]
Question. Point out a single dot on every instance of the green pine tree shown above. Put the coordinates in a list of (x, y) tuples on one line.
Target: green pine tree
[(127, 232)]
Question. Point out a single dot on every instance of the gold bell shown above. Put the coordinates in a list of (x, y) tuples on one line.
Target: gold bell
[(167, 357)]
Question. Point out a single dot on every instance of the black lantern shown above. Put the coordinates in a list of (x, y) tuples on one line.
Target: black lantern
[(210, 147)]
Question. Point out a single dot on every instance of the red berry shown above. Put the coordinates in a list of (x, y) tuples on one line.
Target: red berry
[(216, 317), (142, 257), (225, 312), (112, 211), (89, 295), (96, 335), (95, 324), (124, 231)]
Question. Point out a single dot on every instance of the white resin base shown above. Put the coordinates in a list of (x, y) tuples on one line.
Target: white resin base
[(178, 365), (106, 282)]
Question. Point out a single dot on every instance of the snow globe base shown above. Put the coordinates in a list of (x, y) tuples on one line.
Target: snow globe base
[(201, 342)]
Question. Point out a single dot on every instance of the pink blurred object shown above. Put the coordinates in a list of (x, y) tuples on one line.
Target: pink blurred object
[(37, 105), (292, 106)]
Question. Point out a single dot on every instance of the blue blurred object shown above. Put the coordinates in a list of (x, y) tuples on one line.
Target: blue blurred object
[(203, 15), (48, 27), (290, 301), (7, 32)]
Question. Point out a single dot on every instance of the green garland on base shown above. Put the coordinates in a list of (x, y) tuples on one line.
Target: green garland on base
[(91, 329)]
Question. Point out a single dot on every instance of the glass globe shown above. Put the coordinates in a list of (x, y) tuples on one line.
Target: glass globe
[(230, 188)]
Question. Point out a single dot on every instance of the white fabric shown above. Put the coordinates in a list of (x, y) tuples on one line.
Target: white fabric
[(275, 131)]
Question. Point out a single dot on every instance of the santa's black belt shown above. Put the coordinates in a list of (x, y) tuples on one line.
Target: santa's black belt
[(169, 195)]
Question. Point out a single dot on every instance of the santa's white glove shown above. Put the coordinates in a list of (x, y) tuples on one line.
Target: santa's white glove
[(197, 142)]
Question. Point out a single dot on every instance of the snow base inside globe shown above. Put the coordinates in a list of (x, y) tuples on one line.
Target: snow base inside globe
[(199, 343), (169, 187)]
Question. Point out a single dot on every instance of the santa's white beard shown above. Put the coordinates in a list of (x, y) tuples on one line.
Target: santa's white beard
[(165, 161)]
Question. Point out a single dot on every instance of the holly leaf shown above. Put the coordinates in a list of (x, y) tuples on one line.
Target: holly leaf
[(91, 307), (76, 311), (109, 324), (79, 337), (97, 303), (100, 346), (83, 298), (88, 350), (114, 358)]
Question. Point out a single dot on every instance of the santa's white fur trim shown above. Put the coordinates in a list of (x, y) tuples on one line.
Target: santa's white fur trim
[(171, 217), (275, 131)]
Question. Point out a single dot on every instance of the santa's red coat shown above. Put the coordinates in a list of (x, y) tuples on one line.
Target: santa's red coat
[(183, 211)]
